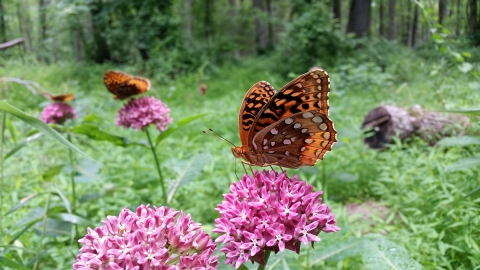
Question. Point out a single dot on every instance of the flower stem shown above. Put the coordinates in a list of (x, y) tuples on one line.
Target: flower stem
[(2, 137), (152, 147), (265, 259), (72, 176)]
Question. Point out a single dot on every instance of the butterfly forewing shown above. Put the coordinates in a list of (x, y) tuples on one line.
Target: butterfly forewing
[(307, 92), (61, 98), (298, 140), (255, 99)]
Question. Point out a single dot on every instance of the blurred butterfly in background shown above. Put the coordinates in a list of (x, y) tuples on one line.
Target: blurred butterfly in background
[(59, 98), (289, 128), (123, 85)]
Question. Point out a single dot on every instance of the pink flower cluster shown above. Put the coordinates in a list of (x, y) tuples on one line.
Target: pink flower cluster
[(147, 239), (270, 211), (57, 113), (139, 113)]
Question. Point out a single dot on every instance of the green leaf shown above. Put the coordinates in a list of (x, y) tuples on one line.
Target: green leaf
[(380, 253), (94, 132), (438, 38), (88, 171), (337, 250), (52, 172), (18, 147), (54, 227), (11, 129), (38, 124), (457, 56), (464, 163), (9, 263), (443, 49), (344, 176), (71, 218), (187, 171), (465, 67), (62, 196), (180, 124), (466, 54), (459, 141), (22, 202)]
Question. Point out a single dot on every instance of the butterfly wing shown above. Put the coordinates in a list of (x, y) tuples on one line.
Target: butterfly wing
[(297, 140), (61, 98), (123, 85), (308, 92), (255, 99)]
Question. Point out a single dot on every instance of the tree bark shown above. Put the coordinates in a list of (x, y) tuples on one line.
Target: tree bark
[(3, 27), (391, 20), (234, 27), (261, 29), (25, 25), (459, 20), (337, 10), (442, 10), (359, 17)]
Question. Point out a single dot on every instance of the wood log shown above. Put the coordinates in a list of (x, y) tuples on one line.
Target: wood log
[(387, 121), (11, 43)]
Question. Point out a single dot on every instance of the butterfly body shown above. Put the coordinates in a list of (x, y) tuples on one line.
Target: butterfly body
[(289, 128), (123, 85)]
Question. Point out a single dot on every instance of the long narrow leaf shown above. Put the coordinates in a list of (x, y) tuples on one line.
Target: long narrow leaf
[(465, 111), (9, 263), (459, 141), (19, 146), (180, 124), (95, 133), (464, 163), (38, 124), (380, 253), (22, 202)]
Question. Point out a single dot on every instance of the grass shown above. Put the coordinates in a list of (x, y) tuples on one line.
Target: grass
[(428, 213)]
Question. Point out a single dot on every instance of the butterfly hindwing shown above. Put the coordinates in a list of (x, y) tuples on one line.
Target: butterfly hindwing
[(298, 140), (255, 99)]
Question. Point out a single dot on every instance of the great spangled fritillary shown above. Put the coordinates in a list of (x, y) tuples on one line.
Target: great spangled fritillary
[(123, 85), (289, 128), (59, 98)]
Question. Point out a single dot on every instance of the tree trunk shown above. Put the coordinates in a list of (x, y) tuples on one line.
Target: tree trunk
[(391, 20), (208, 19), (472, 24), (381, 31), (359, 17), (188, 22), (337, 10), (42, 35), (102, 52), (78, 45), (459, 20), (24, 25), (442, 10), (261, 28), (3, 27), (412, 33), (234, 28)]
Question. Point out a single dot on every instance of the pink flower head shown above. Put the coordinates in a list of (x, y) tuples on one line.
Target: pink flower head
[(141, 112), (57, 113), (147, 239), (269, 211)]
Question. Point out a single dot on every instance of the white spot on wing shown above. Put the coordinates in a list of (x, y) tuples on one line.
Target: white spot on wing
[(287, 141), (323, 126), (307, 115), (272, 143), (297, 125), (308, 141), (274, 131), (317, 119), (288, 121), (305, 130), (265, 141)]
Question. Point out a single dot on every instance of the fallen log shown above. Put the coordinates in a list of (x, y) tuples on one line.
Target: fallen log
[(387, 121)]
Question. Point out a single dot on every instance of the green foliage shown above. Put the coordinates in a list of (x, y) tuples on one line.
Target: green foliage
[(311, 39)]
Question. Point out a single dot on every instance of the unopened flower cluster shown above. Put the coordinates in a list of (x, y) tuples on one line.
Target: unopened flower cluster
[(270, 211), (147, 239), (144, 111), (57, 113)]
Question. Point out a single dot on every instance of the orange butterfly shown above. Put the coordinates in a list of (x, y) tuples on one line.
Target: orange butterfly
[(60, 98), (123, 85), (289, 128)]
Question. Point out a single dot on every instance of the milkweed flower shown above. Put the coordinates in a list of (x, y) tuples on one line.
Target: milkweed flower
[(57, 113), (270, 211), (141, 112), (147, 239)]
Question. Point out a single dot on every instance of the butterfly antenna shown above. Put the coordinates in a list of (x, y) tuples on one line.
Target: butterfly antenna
[(211, 130)]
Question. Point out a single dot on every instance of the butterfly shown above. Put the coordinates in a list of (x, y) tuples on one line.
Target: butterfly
[(289, 128), (123, 85), (60, 98)]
